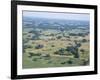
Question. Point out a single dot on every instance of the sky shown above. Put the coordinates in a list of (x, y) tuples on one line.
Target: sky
[(53, 15)]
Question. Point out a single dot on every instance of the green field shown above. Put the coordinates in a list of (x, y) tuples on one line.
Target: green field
[(54, 48)]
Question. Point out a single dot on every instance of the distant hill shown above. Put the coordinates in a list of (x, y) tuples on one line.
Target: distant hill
[(46, 23)]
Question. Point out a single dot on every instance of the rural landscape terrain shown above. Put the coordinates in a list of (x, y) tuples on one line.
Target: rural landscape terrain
[(53, 42)]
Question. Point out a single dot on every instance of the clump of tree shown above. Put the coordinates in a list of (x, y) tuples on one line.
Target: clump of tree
[(60, 51), (27, 46), (82, 50), (77, 44), (59, 37), (74, 49), (39, 46), (52, 34), (34, 59), (63, 62), (62, 30), (37, 54), (78, 34), (33, 31), (85, 62), (31, 54), (69, 44), (34, 37), (72, 34), (83, 40), (52, 45), (36, 34), (81, 34), (69, 61), (67, 36)]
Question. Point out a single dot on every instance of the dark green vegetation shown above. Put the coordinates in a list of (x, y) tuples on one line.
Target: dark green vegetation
[(55, 43)]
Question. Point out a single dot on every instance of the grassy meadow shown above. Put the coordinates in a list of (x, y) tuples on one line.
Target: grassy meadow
[(49, 55)]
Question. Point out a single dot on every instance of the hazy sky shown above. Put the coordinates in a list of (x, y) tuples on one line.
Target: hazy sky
[(52, 15)]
